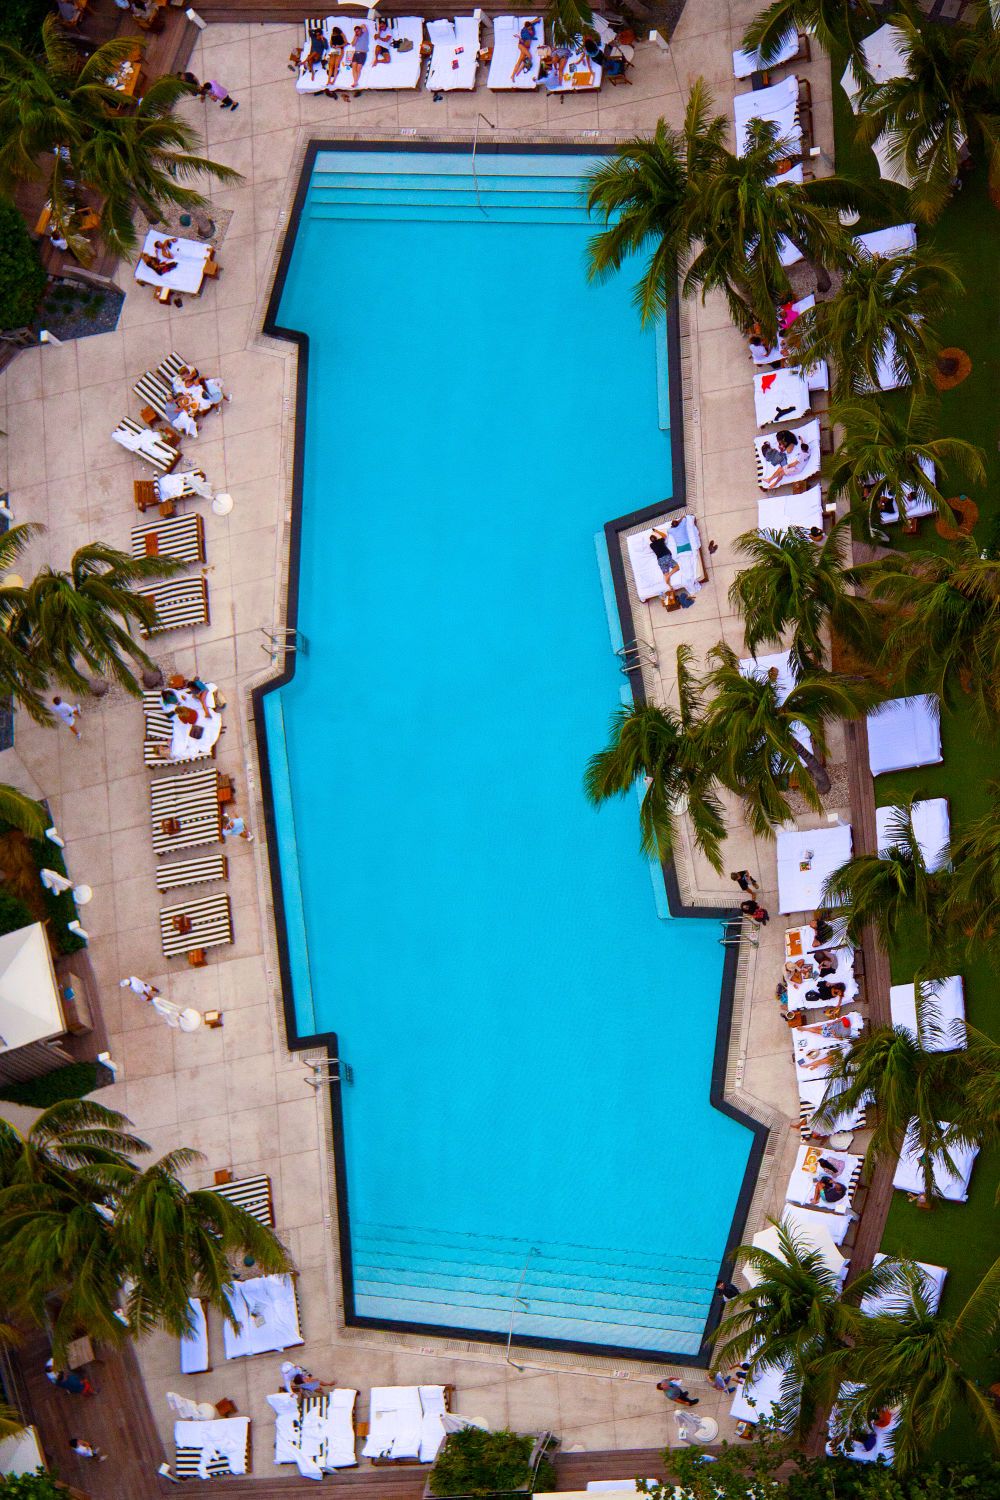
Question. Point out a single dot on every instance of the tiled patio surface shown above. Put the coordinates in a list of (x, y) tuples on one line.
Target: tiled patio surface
[(235, 1093)]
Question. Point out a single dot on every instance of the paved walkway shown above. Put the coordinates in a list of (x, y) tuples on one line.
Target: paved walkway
[(236, 1093)]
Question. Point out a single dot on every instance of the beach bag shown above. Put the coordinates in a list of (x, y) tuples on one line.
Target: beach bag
[(404, 44)]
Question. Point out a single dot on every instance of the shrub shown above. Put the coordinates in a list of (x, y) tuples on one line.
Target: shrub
[(37, 1486), (71, 1082), (22, 275), (473, 1462), (60, 908), (21, 23), (13, 912)]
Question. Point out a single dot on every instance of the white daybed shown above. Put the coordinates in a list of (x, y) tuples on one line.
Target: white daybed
[(782, 512), (580, 72), (268, 1313), (777, 104), (883, 1447), (811, 1097), (779, 396), (319, 1438), (649, 580), (194, 1345), (506, 31), (747, 63), (433, 1406), (801, 1183), (942, 1027), (821, 1232), (931, 827), (314, 80), (756, 1399), (801, 941), (799, 464), (892, 241), (815, 1056), (209, 1449), (844, 1028), (395, 1421), (905, 732), (933, 1278), (953, 1185), (189, 272), (799, 990), (455, 55), (917, 501), (806, 858)]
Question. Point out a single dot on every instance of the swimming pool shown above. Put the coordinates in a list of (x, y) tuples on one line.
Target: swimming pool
[(531, 1043)]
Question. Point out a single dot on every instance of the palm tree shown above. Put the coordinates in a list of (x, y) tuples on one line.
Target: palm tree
[(791, 1315), (70, 621), (672, 192), (973, 900), (878, 327), (60, 119), (837, 27), (669, 750), (945, 609), (892, 887), (884, 457), (82, 1227), (177, 1243), (762, 734), (791, 583), (910, 1086), (21, 676), (945, 107), (922, 1363), (565, 20), (23, 812)]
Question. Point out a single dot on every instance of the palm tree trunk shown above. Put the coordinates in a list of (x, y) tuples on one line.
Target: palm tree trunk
[(815, 770)]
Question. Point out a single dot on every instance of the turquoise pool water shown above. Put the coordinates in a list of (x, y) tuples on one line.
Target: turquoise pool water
[(531, 1043)]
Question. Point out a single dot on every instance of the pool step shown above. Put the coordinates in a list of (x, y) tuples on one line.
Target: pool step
[(578, 1294), (454, 196)]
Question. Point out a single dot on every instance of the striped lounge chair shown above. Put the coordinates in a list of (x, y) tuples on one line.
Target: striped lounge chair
[(187, 872), (156, 746), (188, 1460), (207, 922), (155, 451), (181, 538), (180, 602), (185, 811), (169, 367), (152, 392), (252, 1194)]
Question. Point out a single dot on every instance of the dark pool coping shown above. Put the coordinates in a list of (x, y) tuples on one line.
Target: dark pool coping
[(613, 531)]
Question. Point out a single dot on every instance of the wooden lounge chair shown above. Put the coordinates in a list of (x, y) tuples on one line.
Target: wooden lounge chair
[(157, 451), (252, 1194), (181, 538), (197, 871), (206, 922), (180, 602), (185, 811)]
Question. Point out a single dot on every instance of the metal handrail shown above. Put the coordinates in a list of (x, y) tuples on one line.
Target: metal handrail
[(475, 143), (513, 1306)]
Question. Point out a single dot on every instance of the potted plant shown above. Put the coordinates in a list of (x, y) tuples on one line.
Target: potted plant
[(488, 1464)]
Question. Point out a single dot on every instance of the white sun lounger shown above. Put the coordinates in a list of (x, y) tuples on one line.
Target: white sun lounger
[(942, 1025), (810, 1099), (777, 104), (402, 71), (779, 661), (455, 55), (190, 257), (756, 1399), (931, 826), (800, 463), (933, 1278), (779, 396), (211, 924), (194, 1345), (918, 502), (807, 1049), (892, 241), (842, 974), (506, 30), (784, 510), (905, 732), (806, 857), (267, 1310), (953, 1185), (745, 64), (319, 1437), (649, 580), (207, 1450), (801, 1184)]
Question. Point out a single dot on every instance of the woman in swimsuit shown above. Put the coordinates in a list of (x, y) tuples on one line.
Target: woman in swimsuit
[(335, 55), (524, 59)]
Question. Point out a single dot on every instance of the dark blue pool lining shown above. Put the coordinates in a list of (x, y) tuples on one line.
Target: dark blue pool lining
[(613, 531)]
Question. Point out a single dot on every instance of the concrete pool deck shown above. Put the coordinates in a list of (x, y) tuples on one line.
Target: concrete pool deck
[(236, 1093)]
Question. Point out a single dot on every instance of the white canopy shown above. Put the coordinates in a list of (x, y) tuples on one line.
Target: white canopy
[(30, 1007), (806, 858), (884, 59), (811, 1232)]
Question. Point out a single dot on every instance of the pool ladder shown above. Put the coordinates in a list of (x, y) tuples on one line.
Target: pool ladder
[(328, 1070), (281, 638), (733, 935), (636, 654)]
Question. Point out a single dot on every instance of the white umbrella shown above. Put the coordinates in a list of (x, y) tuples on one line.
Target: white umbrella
[(884, 59)]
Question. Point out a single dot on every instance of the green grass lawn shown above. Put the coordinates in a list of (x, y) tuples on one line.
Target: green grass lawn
[(963, 1237)]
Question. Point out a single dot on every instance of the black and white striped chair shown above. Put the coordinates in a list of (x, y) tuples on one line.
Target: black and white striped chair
[(180, 602), (252, 1194), (203, 923), (197, 871), (185, 811), (159, 734), (188, 1460), (807, 1111), (155, 451), (153, 393), (169, 367), (181, 538)]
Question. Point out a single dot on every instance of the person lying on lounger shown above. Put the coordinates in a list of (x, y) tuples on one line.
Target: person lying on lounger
[(828, 1191), (335, 56), (524, 41), (360, 55), (383, 43), (667, 565), (826, 962), (317, 48), (814, 1058), (788, 456), (158, 265), (180, 413), (204, 393)]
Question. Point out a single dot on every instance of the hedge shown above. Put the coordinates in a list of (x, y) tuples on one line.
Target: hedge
[(22, 275)]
